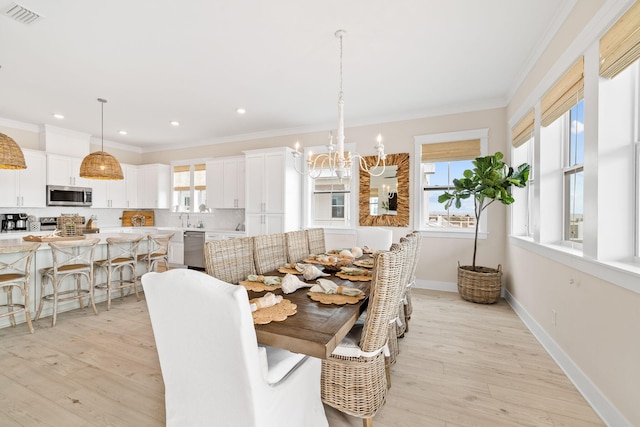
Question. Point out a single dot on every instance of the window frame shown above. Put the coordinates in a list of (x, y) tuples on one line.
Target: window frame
[(308, 192), (418, 187), (568, 171), (192, 209)]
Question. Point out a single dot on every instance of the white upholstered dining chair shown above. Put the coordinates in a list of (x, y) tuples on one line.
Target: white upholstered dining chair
[(378, 238), (213, 369)]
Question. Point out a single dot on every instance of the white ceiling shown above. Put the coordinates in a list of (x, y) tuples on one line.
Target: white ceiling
[(197, 61)]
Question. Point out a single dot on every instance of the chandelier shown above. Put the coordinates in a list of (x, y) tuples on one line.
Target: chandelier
[(336, 160)]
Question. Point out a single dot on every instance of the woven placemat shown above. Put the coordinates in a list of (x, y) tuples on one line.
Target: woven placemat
[(285, 270), (258, 286), (277, 313), (336, 299), (353, 278), (368, 263)]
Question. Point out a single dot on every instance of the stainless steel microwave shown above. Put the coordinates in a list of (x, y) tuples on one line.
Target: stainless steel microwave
[(68, 196)]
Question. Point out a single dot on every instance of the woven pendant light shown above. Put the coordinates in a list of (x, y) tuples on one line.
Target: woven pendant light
[(11, 156), (100, 164)]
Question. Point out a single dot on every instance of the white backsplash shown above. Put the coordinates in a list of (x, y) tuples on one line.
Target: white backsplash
[(223, 219)]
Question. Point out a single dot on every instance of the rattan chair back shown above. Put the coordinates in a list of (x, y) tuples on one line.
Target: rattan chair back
[(157, 250), (230, 260), (297, 245), (269, 251), (315, 236)]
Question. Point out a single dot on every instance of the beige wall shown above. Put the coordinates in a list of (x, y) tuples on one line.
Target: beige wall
[(24, 138), (596, 322)]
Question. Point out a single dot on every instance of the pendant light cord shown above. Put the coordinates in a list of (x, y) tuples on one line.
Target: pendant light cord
[(102, 101)]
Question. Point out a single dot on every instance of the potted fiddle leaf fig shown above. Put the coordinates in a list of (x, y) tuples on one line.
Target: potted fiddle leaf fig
[(489, 181)]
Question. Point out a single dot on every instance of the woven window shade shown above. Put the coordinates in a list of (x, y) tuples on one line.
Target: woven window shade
[(620, 46), (183, 168), (200, 177), (566, 93), (373, 192), (450, 151), (523, 131)]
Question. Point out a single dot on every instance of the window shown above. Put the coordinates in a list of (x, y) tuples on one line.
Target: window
[(189, 188), (445, 157), (328, 200), (574, 176), (522, 139)]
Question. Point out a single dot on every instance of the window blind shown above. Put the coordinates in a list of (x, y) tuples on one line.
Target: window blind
[(566, 93), (620, 46), (451, 151), (200, 177), (523, 131), (181, 180)]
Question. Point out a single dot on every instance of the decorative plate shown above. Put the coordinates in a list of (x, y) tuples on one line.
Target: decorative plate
[(364, 263), (258, 286), (353, 278), (336, 299), (277, 313), (285, 270)]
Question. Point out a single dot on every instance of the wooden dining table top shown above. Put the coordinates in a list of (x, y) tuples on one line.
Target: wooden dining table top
[(316, 328)]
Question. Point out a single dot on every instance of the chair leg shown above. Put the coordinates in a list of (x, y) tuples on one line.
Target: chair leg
[(27, 311), (12, 317), (134, 280), (79, 290), (387, 371), (367, 422), (43, 281), (92, 300), (55, 304)]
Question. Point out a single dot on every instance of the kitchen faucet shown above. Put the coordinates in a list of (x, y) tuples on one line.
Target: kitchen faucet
[(188, 221), (181, 221)]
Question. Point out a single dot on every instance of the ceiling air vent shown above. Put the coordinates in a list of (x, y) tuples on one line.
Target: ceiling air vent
[(21, 14)]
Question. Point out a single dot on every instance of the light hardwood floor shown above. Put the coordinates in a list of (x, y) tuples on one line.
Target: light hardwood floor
[(461, 364)]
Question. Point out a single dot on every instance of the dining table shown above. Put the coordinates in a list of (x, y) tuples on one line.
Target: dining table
[(316, 328)]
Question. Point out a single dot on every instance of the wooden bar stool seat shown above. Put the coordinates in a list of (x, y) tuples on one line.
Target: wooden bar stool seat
[(15, 268), (71, 258)]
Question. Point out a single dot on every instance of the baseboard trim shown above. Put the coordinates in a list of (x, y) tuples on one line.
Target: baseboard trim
[(598, 401)]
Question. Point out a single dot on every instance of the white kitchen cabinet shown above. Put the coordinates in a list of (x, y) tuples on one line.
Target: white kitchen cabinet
[(110, 193), (65, 170), (225, 183), (176, 253), (257, 224), (25, 187), (153, 186), (272, 192), (131, 177)]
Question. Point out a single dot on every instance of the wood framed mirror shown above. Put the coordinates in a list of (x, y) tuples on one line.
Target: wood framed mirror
[(384, 199)]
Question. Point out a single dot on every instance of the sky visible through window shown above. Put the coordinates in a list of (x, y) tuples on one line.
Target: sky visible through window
[(445, 173), (576, 157)]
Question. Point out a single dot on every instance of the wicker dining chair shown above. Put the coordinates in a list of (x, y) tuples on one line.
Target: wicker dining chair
[(397, 322), (315, 236), (353, 378), (406, 297), (157, 251), (122, 254), (297, 245), (15, 269), (269, 251), (230, 260), (71, 259)]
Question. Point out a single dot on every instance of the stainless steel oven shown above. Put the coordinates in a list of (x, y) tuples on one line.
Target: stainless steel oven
[(194, 249)]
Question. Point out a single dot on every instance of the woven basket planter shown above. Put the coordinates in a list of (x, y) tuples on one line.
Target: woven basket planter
[(482, 286)]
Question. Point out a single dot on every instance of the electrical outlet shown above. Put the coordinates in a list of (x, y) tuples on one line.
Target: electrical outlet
[(572, 281)]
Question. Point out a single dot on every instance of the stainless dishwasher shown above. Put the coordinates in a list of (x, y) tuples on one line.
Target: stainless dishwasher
[(194, 249)]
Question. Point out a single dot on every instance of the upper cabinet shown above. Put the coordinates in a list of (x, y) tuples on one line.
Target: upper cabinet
[(65, 170), (272, 186), (26, 187), (225, 183), (131, 178), (111, 193), (153, 186)]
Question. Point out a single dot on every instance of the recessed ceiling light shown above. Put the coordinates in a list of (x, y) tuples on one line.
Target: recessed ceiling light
[(122, 132), (240, 110), (58, 116), (175, 123)]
